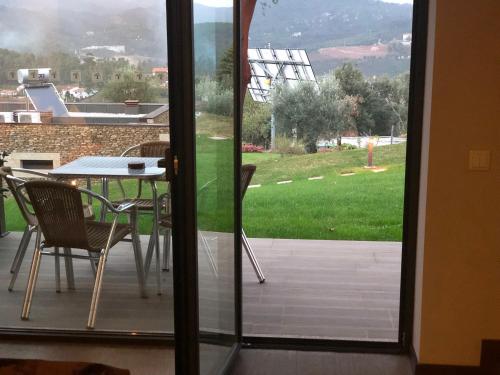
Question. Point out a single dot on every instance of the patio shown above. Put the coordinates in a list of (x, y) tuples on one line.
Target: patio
[(323, 289), (327, 289)]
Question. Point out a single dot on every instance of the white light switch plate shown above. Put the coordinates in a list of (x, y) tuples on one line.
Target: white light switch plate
[(479, 160)]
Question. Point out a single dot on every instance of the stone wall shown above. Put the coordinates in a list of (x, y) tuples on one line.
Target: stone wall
[(71, 141)]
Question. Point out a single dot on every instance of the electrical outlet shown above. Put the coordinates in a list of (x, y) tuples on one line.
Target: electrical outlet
[(479, 160)]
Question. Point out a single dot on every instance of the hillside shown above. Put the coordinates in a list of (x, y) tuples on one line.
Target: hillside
[(141, 27), (319, 23)]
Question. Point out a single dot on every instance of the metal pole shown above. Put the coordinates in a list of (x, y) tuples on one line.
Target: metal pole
[(392, 134), (273, 133), (370, 154)]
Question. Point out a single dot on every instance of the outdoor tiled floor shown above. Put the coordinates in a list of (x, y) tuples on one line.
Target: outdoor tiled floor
[(328, 289)]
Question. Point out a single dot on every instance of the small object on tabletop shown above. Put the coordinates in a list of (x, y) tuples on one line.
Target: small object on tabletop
[(162, 163), (136, 167)]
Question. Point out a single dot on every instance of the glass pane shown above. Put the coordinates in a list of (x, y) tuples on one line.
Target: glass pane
[(325, 209), (213, 41), (79, 79)]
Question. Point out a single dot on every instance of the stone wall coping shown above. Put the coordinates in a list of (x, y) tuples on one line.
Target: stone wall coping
[(136, 125)]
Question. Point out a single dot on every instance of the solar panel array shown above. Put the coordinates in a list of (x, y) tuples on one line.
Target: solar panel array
[(269, 66), (45, 98)]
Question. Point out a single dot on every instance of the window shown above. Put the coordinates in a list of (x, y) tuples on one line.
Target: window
[(37, 164)]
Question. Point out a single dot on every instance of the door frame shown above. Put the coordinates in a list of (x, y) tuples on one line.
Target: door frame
[(184, 207), (410, 217), (184, 223)]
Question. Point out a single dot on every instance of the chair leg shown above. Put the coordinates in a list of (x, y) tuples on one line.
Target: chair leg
[(98, 277), (149, 255), (30, 288), (24, 242), (158, 266), (139, 264), (92, 262), (57, 260), (253, 259), (97, 291), (68, 262), (166, 250), (21, 252)]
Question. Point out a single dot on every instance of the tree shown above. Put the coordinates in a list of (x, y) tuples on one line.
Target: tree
[(225, 70), (129, 89), (391, 109), (338, 108), (299, 112), (353, 84), (256, 122)]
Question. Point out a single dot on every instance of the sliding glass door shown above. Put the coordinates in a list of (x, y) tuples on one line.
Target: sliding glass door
[(215, 179), (204, 112)]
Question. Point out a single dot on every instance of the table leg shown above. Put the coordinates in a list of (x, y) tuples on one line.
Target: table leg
[(105, 194)]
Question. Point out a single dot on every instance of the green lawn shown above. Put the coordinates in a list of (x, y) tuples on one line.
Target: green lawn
[(363, 206)]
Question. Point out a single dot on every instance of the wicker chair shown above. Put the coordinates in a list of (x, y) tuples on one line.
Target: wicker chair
[(59, 211), (31, 222), (165, 224), (13, 182), (247, 172), (158, 149)]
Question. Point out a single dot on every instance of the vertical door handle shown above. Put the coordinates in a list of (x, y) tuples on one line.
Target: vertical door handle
[(176, 165)]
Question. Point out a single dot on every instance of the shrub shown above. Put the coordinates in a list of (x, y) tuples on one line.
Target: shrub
[(345, 146), (284, 145), (256, 123), (221, 103), (248, 147), (205, 88)]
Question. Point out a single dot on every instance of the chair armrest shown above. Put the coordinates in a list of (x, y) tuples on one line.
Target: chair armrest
[(31, 172), (22, 196), (127, 151), (125, 206), (122, 208)]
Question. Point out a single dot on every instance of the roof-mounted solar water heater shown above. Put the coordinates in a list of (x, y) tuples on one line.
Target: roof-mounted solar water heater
[(270, 66), (41, 93)]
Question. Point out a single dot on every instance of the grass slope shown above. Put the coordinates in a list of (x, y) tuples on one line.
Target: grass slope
[(364, 206)]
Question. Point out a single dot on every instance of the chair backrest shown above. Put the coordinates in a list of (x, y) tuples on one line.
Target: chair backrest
[(59, 209), (12, 184), (247, 171), (156, 149)]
